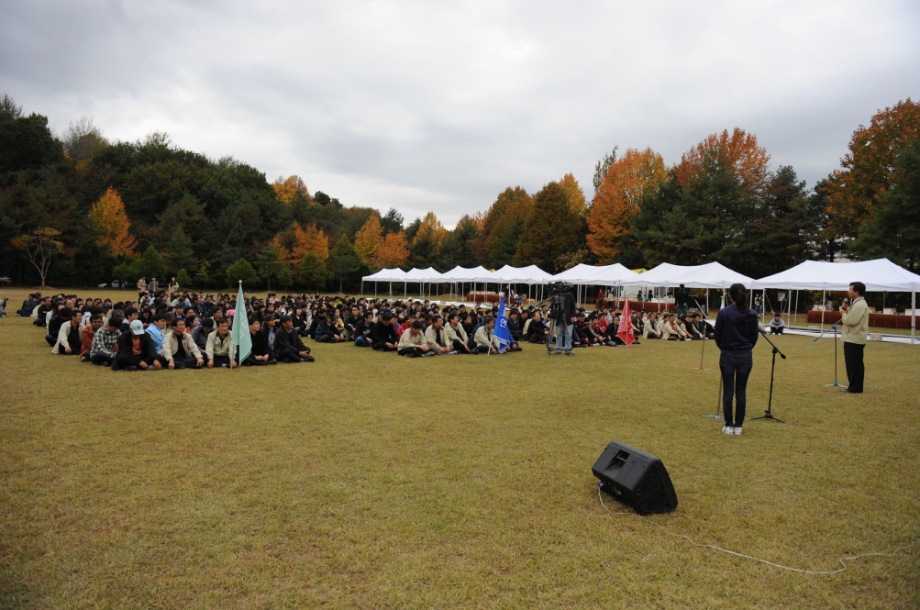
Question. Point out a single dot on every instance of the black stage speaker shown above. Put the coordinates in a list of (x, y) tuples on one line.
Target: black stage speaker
[(637, 478)]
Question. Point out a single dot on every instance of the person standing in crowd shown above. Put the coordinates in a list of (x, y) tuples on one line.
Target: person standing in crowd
[(141, 287), (736, 334), (565, 324), (855, 331), (682, 299)]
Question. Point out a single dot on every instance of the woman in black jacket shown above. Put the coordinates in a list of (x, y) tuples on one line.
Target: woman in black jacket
[(736, 333)]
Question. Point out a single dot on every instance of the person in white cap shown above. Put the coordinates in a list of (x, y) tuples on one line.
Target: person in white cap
[(135, 350)]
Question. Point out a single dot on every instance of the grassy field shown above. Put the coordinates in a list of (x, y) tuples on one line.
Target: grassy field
[(365, 480)]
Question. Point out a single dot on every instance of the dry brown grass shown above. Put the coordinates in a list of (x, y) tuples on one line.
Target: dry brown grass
[(367, 480)]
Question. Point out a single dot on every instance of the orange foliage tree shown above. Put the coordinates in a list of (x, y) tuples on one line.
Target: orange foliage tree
[(288, 188), (394, 251), (368, 241), (617, 199), (310, 240), (574, 194), (870, 167), (110, 223), (295, 243), (738, 151)]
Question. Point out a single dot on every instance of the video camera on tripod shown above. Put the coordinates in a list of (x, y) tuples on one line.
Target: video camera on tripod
[(557, 292)]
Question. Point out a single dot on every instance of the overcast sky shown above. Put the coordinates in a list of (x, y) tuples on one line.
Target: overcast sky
[(426, 105)]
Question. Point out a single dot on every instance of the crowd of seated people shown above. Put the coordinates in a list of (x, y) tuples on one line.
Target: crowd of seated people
[(188, 330)]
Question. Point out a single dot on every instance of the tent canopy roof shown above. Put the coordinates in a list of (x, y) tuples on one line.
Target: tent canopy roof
[(879, 275)]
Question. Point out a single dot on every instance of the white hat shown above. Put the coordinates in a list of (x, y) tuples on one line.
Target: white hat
[(137, 327)]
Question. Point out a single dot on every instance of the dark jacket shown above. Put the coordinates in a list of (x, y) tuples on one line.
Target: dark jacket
[(736, 330), (383, 333)]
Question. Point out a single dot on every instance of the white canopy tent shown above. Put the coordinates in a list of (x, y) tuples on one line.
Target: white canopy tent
[(423, 276), (590, 275), (879, 275), (460, 275), (384, 275), (710, 275), (522, 275)]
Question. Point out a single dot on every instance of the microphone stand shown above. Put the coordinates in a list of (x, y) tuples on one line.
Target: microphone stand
[(835, 384), (706, 337), (768, 414)]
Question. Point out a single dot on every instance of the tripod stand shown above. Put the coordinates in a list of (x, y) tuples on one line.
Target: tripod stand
[(768, 414)]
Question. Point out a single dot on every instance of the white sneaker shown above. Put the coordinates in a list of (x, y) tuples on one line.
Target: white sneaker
[(737, 430), (728, 430)]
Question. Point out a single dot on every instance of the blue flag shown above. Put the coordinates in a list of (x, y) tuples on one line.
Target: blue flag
[(239, 335), (502, 333)]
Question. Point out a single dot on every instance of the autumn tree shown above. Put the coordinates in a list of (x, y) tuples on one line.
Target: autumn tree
[(309, 240), (738, 153), (368, 241), (426, 242), (552, 231), (870, 168), (574, 194), (286, 189), (893, 229), (111, 226), (394, 251), (502, 227), (616, 200), (40, 247)]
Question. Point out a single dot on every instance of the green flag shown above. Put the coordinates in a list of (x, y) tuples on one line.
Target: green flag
[(239, 335)]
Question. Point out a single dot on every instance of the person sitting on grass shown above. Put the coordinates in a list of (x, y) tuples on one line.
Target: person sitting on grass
[(777, 325), (651, 327), (535, 331), (326, 331), (201, 332), (105, 342), (702, 327), (218, 347), (260, 354), (456, 334), (485, 340), (436, 336), (68, 341), (363, 330), (383, 337), (157, 328), (583, 335), (87, 335), (179, 350), (412, 343), (135, 350), (288, 345)]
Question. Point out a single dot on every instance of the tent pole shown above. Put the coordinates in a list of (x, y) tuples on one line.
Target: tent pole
[(913, 316), (823, 306)]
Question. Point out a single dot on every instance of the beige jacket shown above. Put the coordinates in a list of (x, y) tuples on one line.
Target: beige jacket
[(855, 322), (171, 346)]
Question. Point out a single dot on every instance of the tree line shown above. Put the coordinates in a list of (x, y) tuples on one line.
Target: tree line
[(78, 209)]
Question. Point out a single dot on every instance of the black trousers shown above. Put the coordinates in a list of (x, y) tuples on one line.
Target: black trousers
[(856, 370)]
